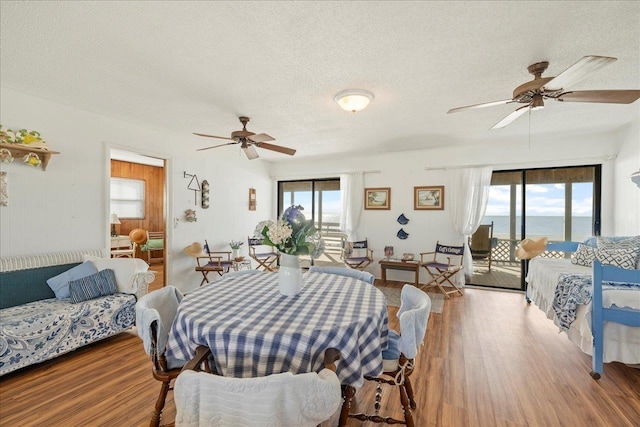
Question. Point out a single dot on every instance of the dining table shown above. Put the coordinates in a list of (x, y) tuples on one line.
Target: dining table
[(253, 330)]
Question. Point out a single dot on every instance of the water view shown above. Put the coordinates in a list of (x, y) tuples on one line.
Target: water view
[(551, 227)]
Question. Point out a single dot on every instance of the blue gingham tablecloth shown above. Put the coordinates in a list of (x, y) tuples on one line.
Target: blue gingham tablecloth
[(253, 330)]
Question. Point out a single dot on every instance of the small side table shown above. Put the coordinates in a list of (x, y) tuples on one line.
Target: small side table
[(245, 264), (400, 265)]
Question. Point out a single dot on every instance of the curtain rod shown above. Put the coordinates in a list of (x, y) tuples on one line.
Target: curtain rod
[(506, 165), (323, 175)]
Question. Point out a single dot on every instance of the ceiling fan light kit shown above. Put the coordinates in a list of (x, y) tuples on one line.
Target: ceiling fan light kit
[(534, 92), (353, 100)]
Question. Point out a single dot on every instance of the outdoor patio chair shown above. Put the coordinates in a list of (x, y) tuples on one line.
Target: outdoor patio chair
[(481, 243)]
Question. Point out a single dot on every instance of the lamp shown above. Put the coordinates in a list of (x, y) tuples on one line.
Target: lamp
[(114, 220), (353, 100)]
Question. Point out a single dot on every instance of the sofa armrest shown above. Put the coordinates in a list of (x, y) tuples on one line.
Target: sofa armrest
[(141, 282)]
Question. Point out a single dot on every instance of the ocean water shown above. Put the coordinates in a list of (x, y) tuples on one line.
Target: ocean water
[(551, 227)]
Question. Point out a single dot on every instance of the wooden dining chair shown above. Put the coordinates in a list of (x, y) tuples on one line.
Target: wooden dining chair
[(398, 360), (153, 245), (266, 260), (155, 313), (283, 399)]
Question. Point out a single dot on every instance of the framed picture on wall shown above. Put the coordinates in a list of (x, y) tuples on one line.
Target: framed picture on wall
[(377, 198), (428, 198)]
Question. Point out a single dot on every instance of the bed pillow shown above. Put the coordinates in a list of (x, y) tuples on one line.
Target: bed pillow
[(624, 242), (100, 284), (623, 258), (60, 284), (627, 242), (584, 255)]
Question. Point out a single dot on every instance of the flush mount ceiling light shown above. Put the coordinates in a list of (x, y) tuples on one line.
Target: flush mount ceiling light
[(353, 99)]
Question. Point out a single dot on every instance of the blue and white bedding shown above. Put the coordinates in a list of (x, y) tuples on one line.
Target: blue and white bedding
[(40, 330), (621, 342), (576, 289)]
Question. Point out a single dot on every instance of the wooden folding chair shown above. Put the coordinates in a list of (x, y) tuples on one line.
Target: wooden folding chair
[(215, 261), (265, 260), (442, 271), (361, 258)]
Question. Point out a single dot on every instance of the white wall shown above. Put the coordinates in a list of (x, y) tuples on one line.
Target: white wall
[(626, 193), (403, 171), (67, 206)]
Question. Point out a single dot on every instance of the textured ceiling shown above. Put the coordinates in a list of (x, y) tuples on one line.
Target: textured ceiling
[(196, 66)]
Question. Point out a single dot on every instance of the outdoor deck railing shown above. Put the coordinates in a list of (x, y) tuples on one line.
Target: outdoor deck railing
[(504, 250)]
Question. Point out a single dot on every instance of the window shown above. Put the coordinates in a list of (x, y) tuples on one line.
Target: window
[(320, 199), (127, 198)]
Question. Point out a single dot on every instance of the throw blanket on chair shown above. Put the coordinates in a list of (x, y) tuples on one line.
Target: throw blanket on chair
[(275, 400)]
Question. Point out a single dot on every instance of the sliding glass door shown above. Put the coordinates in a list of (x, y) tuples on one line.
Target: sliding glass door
[(562, 204), (320, 199)]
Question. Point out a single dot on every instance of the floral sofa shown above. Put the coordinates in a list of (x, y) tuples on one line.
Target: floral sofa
[(36, 324)]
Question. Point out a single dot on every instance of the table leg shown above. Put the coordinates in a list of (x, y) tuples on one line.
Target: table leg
[(384, 274), (417, 276)]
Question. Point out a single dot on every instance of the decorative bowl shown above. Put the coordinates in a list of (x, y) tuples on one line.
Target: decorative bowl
[(239, 259)]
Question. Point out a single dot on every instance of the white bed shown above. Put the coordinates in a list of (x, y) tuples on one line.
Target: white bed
[(621, 342)]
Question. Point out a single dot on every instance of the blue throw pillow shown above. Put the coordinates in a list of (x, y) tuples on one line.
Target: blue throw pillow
[(60, 284), (100, 284)]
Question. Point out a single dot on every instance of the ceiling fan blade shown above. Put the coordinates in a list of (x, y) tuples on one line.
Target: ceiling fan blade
[(216, 146), (251, 152), (578, 71), (486, 104), (278, 148), (212, 136), (603, 96), (261, 137), (511, 117)]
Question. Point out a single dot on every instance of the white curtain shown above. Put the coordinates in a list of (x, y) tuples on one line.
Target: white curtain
[(352, 199), (470, 191)]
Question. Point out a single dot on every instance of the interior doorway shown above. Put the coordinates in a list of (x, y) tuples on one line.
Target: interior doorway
[(137, 200)]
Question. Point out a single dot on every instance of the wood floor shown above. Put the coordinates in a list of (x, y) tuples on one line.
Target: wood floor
[(488, 360)]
